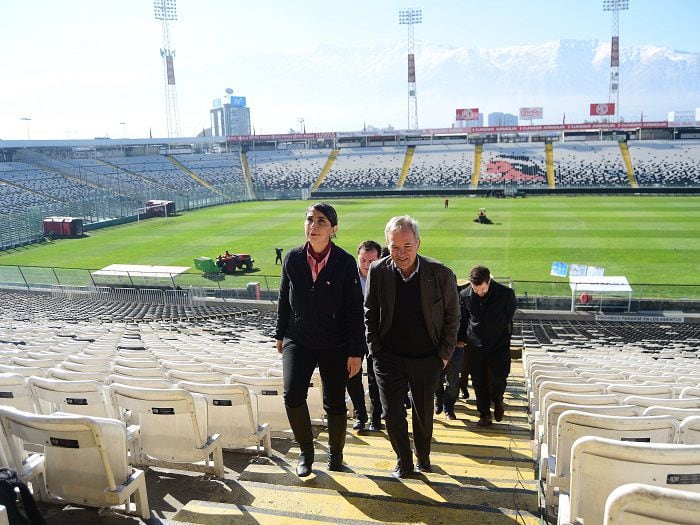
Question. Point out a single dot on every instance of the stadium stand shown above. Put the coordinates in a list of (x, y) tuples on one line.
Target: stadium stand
[(286, 170), (446, 166), (589, 164), (357, 168), (521, 165), (666, 163)]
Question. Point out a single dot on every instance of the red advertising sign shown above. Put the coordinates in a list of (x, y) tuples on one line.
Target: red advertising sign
[(467, 114), (532, 113), (603, 110)]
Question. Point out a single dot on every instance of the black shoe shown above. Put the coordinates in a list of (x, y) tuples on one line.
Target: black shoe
[(400, 473), (484, 421), (376, 426), (438, 407), (335, 461), (450, 415), (465, 392), (498, 410), (306, 459), (359, 424), (424, 466)]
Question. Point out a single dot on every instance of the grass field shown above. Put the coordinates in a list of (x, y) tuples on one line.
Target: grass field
[(646, 239)]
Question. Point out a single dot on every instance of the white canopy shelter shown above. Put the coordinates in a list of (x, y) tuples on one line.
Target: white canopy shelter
[(600, 285)]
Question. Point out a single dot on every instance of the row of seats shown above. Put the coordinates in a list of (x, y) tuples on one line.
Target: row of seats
[(617, 414)]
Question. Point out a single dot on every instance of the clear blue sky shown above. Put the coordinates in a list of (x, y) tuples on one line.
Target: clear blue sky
[(78, 68)]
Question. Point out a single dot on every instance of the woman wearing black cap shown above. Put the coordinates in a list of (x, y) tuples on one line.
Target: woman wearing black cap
[(319, 323)]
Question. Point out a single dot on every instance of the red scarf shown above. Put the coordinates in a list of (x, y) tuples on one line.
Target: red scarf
[(317, 261)]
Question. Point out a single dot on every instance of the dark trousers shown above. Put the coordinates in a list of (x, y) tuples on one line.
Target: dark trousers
[(395, 374), (448, 386), (357, 394), (298, 364), (490, 371), (356, 391), (466, 371)]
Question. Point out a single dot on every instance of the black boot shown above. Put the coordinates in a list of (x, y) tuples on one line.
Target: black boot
[(336, 441), (300, 421)]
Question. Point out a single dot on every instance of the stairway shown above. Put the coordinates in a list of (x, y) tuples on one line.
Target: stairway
[(549, 164), (476, 172), (624, 149), (196, 177), (406, 166), (326, 169), (247, 176)]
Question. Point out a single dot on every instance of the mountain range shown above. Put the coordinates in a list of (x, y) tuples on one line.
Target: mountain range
[(336, 88)]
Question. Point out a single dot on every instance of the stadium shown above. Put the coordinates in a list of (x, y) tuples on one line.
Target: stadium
[(116, 316)]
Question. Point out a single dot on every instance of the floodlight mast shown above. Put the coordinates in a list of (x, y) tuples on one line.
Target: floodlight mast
[(614, 90), (409, 17), (165, 11)]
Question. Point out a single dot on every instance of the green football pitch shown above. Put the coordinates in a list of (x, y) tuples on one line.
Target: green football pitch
[(647, 239)]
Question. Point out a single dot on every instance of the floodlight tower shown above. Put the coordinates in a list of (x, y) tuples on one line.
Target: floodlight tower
[(165, 11), (409, 17), (614, 91)]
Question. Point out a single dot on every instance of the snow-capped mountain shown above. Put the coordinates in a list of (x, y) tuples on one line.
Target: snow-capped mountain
[(328, 84)]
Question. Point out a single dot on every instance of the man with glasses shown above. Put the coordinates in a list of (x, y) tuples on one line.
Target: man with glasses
[(488, 308), (412, 317)]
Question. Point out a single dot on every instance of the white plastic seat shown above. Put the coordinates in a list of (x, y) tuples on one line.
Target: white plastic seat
[(102, 368), (230, 413), (137, 372), (15, 392), (85, 398), (572, 388), (84, 461), (142, 382), (574, 424), (646, 402), (70, 375), (640, 504), (642, 390), (679, 413), (175, 376), (4, 520), (135, 363), (600, 465), (188, 366), (237, 370), (24, 371), (690, 391), (690, 431), (172, 427)]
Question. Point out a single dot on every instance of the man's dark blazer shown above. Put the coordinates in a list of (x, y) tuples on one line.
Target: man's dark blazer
[(439, 302)]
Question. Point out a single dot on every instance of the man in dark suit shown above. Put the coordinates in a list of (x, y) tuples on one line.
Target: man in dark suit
[(487, 308), (412, 317)]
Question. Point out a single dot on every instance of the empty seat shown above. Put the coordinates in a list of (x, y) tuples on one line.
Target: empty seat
[(86, 398), (173, 425), (640, 504), (84, 461), (230, 413)]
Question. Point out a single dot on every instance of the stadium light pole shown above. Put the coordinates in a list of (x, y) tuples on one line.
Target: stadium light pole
[(27, 120), (302, 128), (409, 17), (166, 11), (123, 124), (614, 90)]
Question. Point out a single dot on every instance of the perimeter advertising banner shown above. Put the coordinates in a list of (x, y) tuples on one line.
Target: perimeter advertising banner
[(467, 114), (532, 113), (603, 110)]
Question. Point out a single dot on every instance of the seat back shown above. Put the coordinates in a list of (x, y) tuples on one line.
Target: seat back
[(188, 366), (600, 465), (269, 392), (645, 402), (172, 424), (83, 457), (85, 398), (138, 372), (574, 424), (175, 376), (572, 388), (690, 391), (679, 413), (14, 392), (71, 375), (142, 382), (662, 391), (640, 504), (229, 413), (690, 431)]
